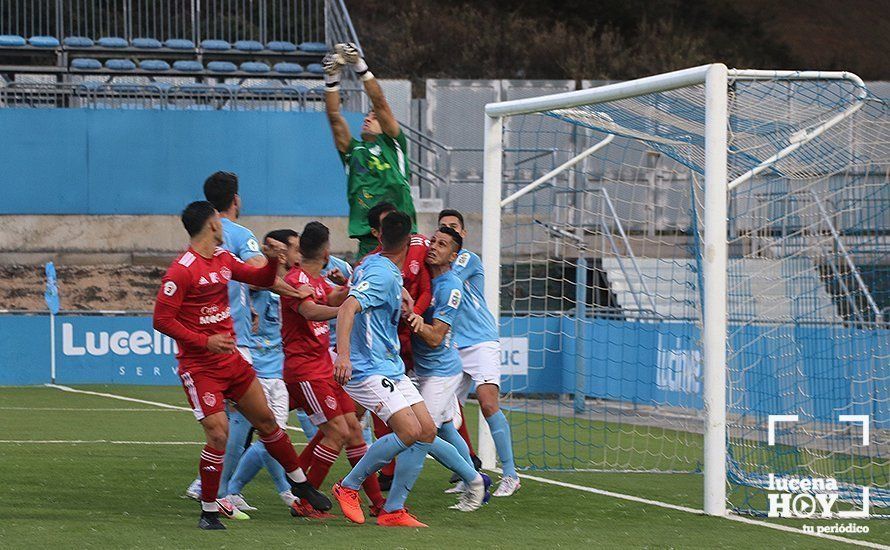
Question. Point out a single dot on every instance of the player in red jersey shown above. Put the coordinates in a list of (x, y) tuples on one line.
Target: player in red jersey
[(416, 280), (309, 370), (192, 307)]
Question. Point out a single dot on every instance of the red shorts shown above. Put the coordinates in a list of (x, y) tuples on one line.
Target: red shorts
[(321, 399), (208, 388)]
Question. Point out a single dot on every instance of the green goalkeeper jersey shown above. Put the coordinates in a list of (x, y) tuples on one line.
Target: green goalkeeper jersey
[(377, 171)]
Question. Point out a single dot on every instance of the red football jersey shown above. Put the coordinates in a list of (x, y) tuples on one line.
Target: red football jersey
[(415, 274), (306, 343), (193, 301)]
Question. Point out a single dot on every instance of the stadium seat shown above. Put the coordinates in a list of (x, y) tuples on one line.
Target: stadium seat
[(112, 42), (90, 85), (281, 46), (179, 44), (11, 41), (86, 64), (216, 45), (78, 42), (222, 67), (147, 43), (298, 89), (315, 68), (254, 67), (120, 65), (248, 46), (195, 87), (44, 41), (288, 68), (314, 47), (188, 66), (154, 65)]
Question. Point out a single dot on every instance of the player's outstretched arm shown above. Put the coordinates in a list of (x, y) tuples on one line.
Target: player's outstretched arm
[(317, 312), (350, 54), (432, 335), (345, 322), (332, 68)]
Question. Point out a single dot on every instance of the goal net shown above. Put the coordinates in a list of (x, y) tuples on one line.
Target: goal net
[(679, 260)]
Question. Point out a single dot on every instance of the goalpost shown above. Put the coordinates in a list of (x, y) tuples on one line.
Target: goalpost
[(675, 252)]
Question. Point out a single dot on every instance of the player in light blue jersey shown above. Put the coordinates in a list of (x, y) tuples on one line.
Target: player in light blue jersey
[(268, 362), (478, 342), (369, 366), (436, 360)]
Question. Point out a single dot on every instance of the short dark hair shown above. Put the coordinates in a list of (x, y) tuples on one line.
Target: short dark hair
[(220, 189), (281, 235), (395, 230), (378, 210), (455, 236), (454, 213), (195, 216), (315, 236)]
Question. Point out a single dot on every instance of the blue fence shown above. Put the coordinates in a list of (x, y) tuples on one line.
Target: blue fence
[(117, 161), (845, 369)]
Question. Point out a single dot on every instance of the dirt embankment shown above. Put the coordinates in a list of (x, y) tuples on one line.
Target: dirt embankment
[(101, 287)]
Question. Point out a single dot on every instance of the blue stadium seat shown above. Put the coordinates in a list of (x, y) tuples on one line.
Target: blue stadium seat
[(86, 64), (188, 66), (281, 46), (180, 44), (248, 46), (298, 89), (78, 42), (154, 65), (315, 68), (222, 67), (89, 85), (11, 41), (314, 47), (254, 67), (195, 87), (216, 45), (288, 68), (112, 42), (44, 41), (120, 65), (147, 43)]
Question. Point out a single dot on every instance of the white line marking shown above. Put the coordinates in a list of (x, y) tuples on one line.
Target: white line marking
[(75, 409), (731, 517), (134, 400), (103, 441)]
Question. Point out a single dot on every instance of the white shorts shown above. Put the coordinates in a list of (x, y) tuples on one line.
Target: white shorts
[(483, 363), (277, 397), (439, 394), (383, 396)]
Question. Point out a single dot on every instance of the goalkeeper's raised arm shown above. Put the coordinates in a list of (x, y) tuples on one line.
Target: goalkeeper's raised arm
[(377, 165)]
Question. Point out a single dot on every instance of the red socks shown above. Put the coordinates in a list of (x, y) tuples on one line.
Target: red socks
[(210, 469), (279, 446), (370, 485), (322, 460), (306, 455)]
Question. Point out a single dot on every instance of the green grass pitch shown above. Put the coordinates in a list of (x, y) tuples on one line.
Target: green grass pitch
[(109, 495)]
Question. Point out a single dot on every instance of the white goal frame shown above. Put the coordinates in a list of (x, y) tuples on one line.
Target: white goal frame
[(715, 78)]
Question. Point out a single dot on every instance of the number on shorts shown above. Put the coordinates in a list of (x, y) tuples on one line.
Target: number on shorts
[(387, 383)]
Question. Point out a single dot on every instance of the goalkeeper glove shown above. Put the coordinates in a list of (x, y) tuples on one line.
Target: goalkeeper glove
[(333, 64), (350, 54)]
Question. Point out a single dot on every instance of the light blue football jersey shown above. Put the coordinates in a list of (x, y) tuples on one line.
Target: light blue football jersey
[(475, 324), (268, 356), (241, 242), (443, 360), (346, 270), (377, 285)]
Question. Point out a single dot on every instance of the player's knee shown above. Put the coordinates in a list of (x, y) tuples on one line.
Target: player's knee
[(217, 438), (266, 424), (427, 432), (409, 433), (489, 407)]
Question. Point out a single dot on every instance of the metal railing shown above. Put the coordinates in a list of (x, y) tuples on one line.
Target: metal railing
[(264, 21)]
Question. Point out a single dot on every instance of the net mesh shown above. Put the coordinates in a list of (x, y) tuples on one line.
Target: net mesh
[(601, 279)]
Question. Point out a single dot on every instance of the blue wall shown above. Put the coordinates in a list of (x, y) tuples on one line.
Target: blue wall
[(815, 371), (115, 161)]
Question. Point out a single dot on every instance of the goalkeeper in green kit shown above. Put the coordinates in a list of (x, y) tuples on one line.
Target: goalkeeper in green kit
[(377, 166)]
